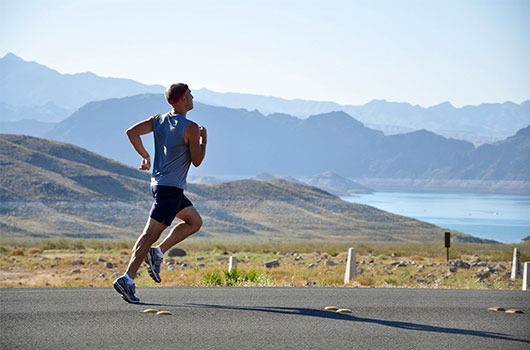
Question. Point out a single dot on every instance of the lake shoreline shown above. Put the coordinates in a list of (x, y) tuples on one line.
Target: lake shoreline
[(499, 217), (445, 185)]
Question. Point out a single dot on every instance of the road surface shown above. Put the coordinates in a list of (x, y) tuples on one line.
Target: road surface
[(263, 318)]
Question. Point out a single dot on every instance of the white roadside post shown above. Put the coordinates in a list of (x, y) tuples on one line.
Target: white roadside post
[(526, 276), (351, 267), (232, 264), (516, 264)]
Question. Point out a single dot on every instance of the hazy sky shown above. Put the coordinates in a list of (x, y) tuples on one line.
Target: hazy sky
[(421, 52)]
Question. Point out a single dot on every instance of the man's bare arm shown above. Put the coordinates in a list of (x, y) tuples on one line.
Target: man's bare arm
[(134, 133), (196, 138)]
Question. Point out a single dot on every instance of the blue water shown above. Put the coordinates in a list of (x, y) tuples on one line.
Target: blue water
[(503, 218)]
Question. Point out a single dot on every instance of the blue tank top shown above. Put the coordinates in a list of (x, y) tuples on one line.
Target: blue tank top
[(172, 154)]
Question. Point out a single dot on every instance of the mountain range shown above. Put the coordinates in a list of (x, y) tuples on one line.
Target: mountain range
[(53, 189), (29, 90), (247, 143), (30, 84), (34, 98), (478, 124), (336, 184), (48, 113)]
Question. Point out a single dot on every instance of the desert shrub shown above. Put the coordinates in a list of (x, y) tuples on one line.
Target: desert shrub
[(49, 245), (253, 276), (63, 244), (124, 252), (239, 276), (35, 250), (390, 280), (79, 245), (365, 280), (60, 243), (17, 252), (231, 277), (124, 245), (220, 246), (331, 281), (106, 244), (3, 250), (212, 278), (235, 277)]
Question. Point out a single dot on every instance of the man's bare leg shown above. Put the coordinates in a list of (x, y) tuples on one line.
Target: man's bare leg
[(191, 223), (152, 231)]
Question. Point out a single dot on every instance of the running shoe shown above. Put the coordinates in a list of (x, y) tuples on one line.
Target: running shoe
[(126, 290), (153, 265)]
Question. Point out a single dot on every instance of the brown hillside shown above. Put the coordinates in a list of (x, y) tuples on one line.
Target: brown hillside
[(54, 189), (39, 169)]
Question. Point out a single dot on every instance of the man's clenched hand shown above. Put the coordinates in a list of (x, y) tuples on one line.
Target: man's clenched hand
[(146, 163), (204, 134)]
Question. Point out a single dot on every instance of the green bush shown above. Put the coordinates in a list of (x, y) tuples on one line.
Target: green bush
[(253, 276), (235, 277), (124, 245), (390, 280), (49, 245), (231, 277), (212, 278), (79, 245)]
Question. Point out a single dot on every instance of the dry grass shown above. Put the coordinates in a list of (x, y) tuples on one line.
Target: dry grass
[(56, 264)]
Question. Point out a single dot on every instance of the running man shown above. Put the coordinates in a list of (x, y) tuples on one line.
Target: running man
[(178, 143)]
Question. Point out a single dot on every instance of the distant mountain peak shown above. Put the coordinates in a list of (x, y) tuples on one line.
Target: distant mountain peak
[(524, 132), (384, 102), (337, 117), (26, 83), (264, 176), (12, 57), (377, 101), (423, 132), (336, 184), (335, 114), (443, 105)]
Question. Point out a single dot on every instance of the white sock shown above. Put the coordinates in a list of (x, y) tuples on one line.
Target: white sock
[(128, 278), (159, 252)]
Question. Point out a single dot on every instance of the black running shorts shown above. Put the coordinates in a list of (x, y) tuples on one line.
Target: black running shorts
[(168, 201)]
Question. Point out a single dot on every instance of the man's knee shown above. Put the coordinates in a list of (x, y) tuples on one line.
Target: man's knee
[(195, 223), (191, 217)]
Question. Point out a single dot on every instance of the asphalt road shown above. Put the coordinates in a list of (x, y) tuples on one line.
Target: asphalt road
[(263, 318)]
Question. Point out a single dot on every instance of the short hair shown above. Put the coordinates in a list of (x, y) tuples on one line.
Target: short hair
[(175, 92)]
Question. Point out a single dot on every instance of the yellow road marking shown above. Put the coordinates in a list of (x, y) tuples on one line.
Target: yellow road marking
[(150, 310), (496, 308), (344, 310), (513, 311)]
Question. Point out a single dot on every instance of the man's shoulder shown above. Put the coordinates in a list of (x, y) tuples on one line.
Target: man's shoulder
[(192, 123), (192, 128), (159, 118)]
